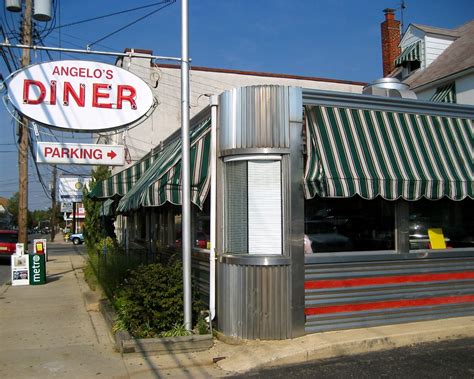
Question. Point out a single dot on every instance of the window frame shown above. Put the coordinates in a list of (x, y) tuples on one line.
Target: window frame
[(255, 158), (402, 245)]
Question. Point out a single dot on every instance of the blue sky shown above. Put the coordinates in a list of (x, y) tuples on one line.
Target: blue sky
[(323, 38)]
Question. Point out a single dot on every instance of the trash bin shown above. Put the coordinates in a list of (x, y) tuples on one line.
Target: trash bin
[(37, 269)]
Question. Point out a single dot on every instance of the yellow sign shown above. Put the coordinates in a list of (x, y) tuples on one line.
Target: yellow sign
[(436, 238)]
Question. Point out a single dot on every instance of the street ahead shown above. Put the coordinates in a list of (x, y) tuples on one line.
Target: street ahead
[(447, 359)]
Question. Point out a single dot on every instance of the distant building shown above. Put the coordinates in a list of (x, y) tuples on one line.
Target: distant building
[(437, 63)]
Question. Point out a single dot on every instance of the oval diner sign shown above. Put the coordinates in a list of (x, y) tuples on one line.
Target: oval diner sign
[(80, 95)]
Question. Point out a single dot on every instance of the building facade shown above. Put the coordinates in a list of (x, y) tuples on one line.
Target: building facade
[(315, 210)]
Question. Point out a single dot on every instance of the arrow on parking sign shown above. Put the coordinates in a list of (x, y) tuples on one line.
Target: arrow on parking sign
[(111, 154)]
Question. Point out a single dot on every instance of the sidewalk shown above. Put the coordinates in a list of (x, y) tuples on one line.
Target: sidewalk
[(55, 330)]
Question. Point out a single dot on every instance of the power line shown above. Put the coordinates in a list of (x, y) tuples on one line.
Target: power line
[(168, 3), (112, 14)]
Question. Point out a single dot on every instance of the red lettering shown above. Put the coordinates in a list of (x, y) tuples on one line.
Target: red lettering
[(47, 151), (73, 152), (97, 154), (121, 97), (52, 95), (55, 70), (64, 71), (56, 153), (69, 90), (64, 152), (109, 74), (96, 95), (26, 91), (87, 154)]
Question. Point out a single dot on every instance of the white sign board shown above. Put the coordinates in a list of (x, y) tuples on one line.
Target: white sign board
[(80, 95), (66, 207), (20, 266), (70, 188), (79, 153)]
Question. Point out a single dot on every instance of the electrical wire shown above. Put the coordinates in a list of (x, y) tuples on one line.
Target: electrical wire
[(112, 14), (168, 3)]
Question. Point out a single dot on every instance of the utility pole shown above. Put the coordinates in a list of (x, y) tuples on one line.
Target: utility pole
[(24, 136), (53, 203)]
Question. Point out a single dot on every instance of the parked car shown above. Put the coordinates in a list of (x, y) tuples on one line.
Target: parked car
[(77, 238), (8, 241)]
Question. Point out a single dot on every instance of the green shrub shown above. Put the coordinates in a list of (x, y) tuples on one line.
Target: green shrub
[(150, 300), (179, 330)]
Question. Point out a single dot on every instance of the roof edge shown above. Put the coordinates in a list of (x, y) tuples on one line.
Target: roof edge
[(382, 103), (443, 79), (263, 74)]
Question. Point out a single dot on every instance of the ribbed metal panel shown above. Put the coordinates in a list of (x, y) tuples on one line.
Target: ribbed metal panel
[(255, 117), (254, 301), (424, 292)]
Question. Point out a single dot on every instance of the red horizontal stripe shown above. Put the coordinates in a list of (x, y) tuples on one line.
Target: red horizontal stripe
[(389, 304), (375, 281)]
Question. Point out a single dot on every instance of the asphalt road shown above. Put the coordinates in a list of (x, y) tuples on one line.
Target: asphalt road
[(447, 359)]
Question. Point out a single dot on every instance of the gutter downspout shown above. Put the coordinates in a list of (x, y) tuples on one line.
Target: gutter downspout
[(212, 255)]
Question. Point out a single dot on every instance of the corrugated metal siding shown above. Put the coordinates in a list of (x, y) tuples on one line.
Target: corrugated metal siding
[(255, 117), (352, 295), (254, 301)]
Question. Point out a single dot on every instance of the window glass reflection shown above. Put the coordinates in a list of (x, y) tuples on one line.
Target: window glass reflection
[(453, 220), (352, 224)]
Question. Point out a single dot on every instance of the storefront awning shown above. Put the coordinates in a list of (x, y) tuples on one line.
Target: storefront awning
[(161, 183), (119, 184), (389, 154), (106, 208), (445, 94), (409, 54)]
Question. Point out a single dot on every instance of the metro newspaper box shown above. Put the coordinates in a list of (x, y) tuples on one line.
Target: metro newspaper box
[(37, 262), (37, 272)]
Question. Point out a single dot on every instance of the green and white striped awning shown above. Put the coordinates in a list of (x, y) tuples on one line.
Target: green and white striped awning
[(445, 94), (162, 181), (122, 182), (389, 154), (409, 54)]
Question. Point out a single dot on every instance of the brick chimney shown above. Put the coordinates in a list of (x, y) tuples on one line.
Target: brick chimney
[(390, 29)]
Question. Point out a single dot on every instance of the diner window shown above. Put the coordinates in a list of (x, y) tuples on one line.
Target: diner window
[(349, 224), (253, 212), (202, 226), (441, 224)]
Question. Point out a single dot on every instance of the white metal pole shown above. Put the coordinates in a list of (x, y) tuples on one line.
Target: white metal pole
[(186, 185), (212, 255)]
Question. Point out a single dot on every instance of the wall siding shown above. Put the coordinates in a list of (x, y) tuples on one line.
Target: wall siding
[(354, 295), (434, 47)]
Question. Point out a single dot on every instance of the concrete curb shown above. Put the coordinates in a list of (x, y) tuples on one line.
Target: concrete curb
[(343, 343)]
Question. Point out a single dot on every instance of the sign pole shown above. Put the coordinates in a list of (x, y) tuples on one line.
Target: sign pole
[(53, 203), (186, 188), (74, 217)]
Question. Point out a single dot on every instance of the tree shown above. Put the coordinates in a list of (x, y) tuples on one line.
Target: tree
[(92, 227), (12, 206)]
